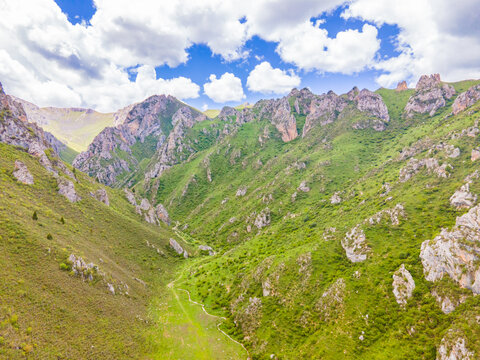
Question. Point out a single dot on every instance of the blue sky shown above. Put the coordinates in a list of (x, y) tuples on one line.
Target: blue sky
[(109, 53)]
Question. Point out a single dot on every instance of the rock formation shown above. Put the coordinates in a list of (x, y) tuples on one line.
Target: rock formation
[(403, 285), (178, 248), (263, 218), (402, 86), (463, 198), (355, 245), (206, 248), (67, 189), (455, 252), (22, 174), (454, 349), (466, 99), (430, 95), (102, 196)]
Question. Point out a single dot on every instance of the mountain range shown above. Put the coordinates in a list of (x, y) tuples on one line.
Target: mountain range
[(309, 226)]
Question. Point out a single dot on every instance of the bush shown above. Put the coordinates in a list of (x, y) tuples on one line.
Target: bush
[(62, 220), (49, 237), (34, 216), (64, 267)]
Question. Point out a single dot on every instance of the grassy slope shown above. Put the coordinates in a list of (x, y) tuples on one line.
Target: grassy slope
[(356, 163), (48, 313), (76, 129)]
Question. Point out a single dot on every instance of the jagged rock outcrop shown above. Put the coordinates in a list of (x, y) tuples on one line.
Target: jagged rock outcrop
[(263, 218), (402, 86), (355, 245), (22, 174), (372, 104), (102, 196), (394, 215), (463, 198), (54, 143), (162, 214), (324, 109), (178, 248), (145, 121), (242, 190), (466, 99), (475, 155), (130, 196), (67, 189), (454, 348), (430, 95), (414, 166), (403, 285), (173, 149), (279, 113), (81, 268), (455, 253), (303, 187), (331, 302), (335, 199), (17, 131)]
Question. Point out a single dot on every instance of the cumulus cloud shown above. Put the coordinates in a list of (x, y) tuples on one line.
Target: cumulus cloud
[(227, 88), (434, 37), (47, 60), (267, 80)]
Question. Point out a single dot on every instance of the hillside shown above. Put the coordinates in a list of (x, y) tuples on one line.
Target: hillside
[(318, 226)]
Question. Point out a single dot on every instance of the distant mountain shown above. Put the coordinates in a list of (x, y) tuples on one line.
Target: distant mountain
[(75, 127)]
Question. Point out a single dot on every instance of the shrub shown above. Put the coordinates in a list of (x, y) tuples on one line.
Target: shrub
[(49, 237), (34, 216), (64, 267), (62, 220)]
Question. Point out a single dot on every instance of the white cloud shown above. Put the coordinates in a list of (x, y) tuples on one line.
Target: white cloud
[(204, 107), (227, 88), (267, 80), (309, 47), (435, 36)]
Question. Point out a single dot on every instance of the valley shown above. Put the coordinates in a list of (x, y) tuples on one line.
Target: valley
[(305, 227)]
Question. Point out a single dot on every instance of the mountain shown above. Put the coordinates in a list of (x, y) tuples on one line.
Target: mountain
[(75, 127), (310, 226)]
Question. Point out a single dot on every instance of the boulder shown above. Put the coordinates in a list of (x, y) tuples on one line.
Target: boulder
[(303, 187), (22, 174), (463, 198), (242, 190), (335, 199), (102, 196), (179, 250), (403, 285), (475, 155), (67, 189)]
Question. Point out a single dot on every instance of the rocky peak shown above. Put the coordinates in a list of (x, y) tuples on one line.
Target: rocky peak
[(368, 101), (226, 112), (402, 86), (323, 110), (430, 95), (279, 113)]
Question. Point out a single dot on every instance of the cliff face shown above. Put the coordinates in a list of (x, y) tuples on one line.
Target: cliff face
[(430, 95), (117, 151)]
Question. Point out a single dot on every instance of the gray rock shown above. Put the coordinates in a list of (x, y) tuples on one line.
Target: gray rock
[(22, 174), (431, 94), (81, 268), (263, 218), (455, 252), (102, 196), (463, 198), (355, 245), (179, 250), (242, 190), (336, 199), (130, 197), (403, 285), (466, 99), (475, 155), (454, 349), (414, 166), (303, 187), (162, 214), (67, 189)]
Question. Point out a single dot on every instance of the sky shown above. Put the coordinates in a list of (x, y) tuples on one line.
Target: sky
[(107, 54)]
